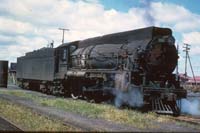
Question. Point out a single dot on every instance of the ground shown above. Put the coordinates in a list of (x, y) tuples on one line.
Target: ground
[(7, 126), (78, 115)]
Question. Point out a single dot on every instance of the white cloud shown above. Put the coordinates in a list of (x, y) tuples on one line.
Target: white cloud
[(76, 15), (168, 13), (180, 18), (4, 38), (187, 25), (11, 26), (20, 46), (34, 23), (192, 38)]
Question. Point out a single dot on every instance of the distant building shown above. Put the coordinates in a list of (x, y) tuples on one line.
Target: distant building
[(191, 81), (13, 68), (183, 78)]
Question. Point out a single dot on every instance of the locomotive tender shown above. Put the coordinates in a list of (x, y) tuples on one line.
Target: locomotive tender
[(93, 68)]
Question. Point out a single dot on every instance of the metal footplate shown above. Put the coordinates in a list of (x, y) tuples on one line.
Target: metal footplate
[(161, 107)]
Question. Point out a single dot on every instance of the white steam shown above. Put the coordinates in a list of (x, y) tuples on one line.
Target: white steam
[(190, 106), (133, 97), (125, 93)]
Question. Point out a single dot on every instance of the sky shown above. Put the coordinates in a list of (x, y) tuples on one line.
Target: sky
[(27, 25)]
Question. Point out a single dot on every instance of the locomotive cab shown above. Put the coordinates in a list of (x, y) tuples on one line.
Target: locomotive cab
[(63, 60)]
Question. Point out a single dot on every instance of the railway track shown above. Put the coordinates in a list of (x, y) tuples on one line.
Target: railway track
[(195, 120), (6, 125), (189, 119)]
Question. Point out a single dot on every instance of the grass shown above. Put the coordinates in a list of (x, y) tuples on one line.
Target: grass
[(92, 110), (106, 112), (29, 120)]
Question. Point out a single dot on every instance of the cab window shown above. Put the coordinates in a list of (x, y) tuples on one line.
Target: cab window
[(64, 57), (72, 48)]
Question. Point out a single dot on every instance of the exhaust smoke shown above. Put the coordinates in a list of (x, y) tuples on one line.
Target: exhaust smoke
[(146, 5), (133, 97), (191, 106), (126, 93)]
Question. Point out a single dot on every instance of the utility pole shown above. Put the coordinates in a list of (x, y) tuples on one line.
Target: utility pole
[(186, 50), (63, 33)]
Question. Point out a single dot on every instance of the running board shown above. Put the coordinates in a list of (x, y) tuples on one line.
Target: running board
[(160, 107)]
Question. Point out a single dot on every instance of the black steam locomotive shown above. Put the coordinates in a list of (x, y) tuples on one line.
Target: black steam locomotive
[(120, 65)]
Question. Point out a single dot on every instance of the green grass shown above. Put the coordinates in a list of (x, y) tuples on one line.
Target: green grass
[(92, 110), (106, 112), (29, 120)]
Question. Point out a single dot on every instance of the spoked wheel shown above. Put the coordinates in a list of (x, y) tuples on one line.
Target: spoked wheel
[(75, 96), (75, 93)]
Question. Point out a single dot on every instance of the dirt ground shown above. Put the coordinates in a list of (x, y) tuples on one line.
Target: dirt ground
[(7, 126), (88, 124)]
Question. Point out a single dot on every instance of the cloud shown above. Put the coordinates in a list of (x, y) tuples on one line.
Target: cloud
[(10, 26), (79, 14), (5, 39), (26, 25), (180, 18), (192, 38), (20, 46)]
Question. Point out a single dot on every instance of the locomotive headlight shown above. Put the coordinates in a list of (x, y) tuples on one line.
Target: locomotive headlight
[(161, 40), (166, 39)]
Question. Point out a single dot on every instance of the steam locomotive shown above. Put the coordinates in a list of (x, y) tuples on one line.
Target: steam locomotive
[(97, 68)]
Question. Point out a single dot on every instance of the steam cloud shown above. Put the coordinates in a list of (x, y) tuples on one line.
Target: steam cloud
[(190, 106), (133, 97), (125, 93), (146, 4)]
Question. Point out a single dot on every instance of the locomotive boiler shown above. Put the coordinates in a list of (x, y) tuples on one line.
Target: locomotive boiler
[(96, 68)]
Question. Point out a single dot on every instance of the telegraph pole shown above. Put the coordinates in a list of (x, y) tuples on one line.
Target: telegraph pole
[(63, 33), (186, 50)]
